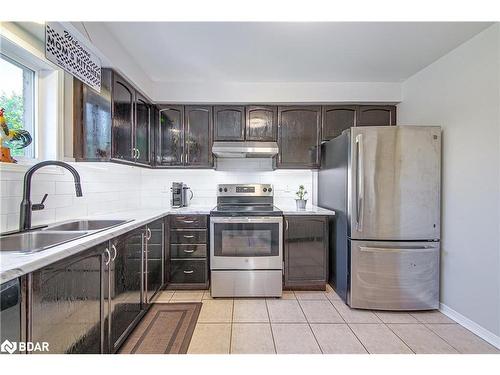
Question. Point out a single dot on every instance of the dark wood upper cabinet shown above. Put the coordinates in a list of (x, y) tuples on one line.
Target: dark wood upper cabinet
[(92, 119), (229, 123), (306, 252), (170, 137), (298, 136), (198, 136), (336, 119), (261, 123), (123, 120), (142, 129), (376, 115), (184, 136)]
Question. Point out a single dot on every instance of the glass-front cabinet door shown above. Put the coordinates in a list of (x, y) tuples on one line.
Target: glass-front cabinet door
[(123, 120), (198, 136), (126, 284), (170, 139), (142, 129)]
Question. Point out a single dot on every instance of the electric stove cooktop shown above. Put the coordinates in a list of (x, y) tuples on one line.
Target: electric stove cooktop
[(245, 200)]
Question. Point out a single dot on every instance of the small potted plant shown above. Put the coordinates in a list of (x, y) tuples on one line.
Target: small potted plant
[(300, 201)]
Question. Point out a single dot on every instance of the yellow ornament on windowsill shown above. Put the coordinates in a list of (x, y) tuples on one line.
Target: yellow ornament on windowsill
[(10, 138)]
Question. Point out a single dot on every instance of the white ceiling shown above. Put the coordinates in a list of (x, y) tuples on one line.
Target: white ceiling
[(288, 52)]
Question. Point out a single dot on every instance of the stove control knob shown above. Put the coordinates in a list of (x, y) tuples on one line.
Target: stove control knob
[(270, 189), (220, 190), (225, 190), (265, 189)]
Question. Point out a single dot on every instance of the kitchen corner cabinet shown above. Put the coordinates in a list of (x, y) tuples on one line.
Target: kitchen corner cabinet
[(229, 123), (184, 136), (154, 259), (299, 136), (306, 252), (67, 303), (92, 119), (126, 285)]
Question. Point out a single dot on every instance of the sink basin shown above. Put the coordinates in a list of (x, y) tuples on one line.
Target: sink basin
[(29, 242), (86, 225)]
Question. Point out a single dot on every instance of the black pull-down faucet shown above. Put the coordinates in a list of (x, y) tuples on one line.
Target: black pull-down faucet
[(25, 212)]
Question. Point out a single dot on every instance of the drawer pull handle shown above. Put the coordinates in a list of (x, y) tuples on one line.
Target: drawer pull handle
[(189, 251), (188, 272), (188, 221), (188, 236)]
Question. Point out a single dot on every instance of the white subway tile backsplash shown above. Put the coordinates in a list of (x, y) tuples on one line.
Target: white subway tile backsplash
[(110, 187)]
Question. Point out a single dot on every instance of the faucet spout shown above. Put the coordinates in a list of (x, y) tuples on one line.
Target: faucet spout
[(25, 212)]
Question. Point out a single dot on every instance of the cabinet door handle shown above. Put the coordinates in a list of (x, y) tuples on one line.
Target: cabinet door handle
[(188, 236), (138, 153), (188, 272), (286, 224), (148, 236), (106, 252), (189, 251), (188, 221), (114, 252)]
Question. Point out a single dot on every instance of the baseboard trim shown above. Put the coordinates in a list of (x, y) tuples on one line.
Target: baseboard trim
[(470, 325)]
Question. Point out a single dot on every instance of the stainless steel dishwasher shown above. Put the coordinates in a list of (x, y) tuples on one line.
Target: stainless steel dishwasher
[(10, 316)]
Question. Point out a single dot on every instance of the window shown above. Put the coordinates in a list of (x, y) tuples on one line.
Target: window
[(17, 97)]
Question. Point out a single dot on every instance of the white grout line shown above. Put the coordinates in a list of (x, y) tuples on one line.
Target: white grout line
[(270, 326), (310, 328)]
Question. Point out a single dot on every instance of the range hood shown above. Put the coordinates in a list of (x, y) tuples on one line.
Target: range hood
[(245, 149)]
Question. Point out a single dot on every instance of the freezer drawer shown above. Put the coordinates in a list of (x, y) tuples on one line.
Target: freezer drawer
[(394, 275)]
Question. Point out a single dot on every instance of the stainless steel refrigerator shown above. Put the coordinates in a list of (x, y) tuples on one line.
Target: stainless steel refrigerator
[(384, 184)]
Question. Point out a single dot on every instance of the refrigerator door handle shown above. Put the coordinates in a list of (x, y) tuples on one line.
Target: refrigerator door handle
[(397, 249), (360, 184)]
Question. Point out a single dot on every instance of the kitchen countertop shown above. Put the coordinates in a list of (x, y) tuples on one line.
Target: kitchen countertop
[(14, 264), (309, 210)]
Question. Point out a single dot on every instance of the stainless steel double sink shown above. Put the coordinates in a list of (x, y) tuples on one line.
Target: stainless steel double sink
[(57, 234)]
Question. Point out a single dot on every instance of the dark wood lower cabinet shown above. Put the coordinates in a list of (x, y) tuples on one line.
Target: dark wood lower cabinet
[(306, 252), (154, 259), (91, 301), (67, 304), (187, 262), (125, 295)]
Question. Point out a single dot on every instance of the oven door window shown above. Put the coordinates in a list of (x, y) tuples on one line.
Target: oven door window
[(246, 239)]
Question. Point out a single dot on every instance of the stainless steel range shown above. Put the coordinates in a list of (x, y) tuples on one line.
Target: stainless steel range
[(246, 242)]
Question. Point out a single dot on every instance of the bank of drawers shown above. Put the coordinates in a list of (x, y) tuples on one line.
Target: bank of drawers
[(188, 245)]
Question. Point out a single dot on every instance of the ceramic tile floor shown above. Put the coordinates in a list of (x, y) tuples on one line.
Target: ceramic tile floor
[(318, 322)]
